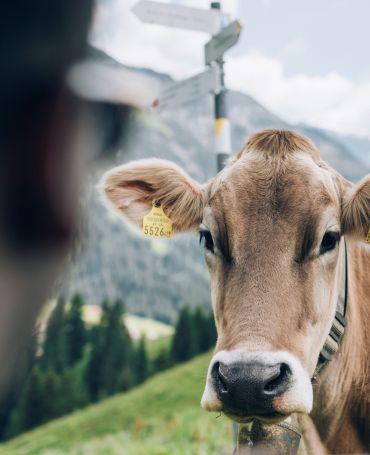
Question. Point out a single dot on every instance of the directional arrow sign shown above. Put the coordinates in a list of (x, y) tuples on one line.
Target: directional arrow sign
[(189, 89), (221, 42), (179, 16)]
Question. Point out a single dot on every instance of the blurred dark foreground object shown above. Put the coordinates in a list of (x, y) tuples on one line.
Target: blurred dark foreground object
[(261, 439), (46, 142), (39, 41)]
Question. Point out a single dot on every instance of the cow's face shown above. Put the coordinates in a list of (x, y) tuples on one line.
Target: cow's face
[(272, 224), (272, 240)]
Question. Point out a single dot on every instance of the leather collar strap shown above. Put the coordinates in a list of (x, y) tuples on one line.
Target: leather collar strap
[(332, 342)]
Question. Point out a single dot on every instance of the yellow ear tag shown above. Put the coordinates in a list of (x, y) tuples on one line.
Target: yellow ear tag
[(368, 236), (156, 223)]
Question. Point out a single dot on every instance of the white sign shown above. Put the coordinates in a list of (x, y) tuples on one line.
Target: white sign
[(189, 89), (221, 42), (203, 20)]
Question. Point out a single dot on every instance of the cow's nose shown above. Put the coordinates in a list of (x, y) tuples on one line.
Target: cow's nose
[(250, 388)]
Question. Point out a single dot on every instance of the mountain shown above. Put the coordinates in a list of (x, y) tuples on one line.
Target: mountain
[(359, 147), (156, 277)]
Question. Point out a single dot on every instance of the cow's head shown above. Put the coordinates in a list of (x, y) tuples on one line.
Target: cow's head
[(272, 222)]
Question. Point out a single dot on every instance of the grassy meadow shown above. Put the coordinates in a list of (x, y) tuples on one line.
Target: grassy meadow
[(160, 417)]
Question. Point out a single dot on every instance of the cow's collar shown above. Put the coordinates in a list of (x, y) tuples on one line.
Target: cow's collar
[(332, 342)]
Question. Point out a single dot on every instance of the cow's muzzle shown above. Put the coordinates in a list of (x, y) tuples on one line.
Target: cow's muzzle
[(265, 385), (250, 388)]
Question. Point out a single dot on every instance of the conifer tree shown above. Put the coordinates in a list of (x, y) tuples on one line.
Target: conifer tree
[(26, 414), (211, 331), (111, 353), (10, 401), (117, 348), (73, 391), (74, 331), (200, 322), (162, 360), (50, 396), (54, 353), (93, 369), (184, 339), (141, 362)]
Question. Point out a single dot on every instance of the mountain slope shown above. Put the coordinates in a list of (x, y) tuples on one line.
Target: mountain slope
[(156, 277), (163, 416)]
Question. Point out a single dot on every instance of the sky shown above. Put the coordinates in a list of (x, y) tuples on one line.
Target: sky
[(305, 60)]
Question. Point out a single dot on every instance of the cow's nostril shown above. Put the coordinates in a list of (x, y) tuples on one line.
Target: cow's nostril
[(278, 380), (221, 378)]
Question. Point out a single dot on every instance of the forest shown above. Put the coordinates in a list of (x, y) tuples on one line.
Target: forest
[(72, 364)]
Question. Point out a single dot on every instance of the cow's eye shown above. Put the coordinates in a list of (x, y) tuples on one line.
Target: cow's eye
[(329, 242), (208, 240)]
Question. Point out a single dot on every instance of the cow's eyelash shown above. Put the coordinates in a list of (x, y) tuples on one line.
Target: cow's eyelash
[(208, 239), (329, 241)]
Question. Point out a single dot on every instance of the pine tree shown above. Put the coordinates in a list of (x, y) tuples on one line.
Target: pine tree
[(50, 396), (162, 360), (74, 331), (200, 324), (10, 401), (141, 362), (73, 391), (205, 330), (184, 339), (93, 368), (26, 414), (111, 353), (211, 331), (54, 353), (117, 348)]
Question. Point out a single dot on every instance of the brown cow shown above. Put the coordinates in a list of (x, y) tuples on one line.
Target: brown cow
[(273, 223)]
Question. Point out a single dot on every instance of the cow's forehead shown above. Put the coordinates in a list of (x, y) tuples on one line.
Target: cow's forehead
[(293, 186), (255, 200)]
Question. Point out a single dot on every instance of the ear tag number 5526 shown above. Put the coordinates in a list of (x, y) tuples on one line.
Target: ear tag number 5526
[(156, 223)]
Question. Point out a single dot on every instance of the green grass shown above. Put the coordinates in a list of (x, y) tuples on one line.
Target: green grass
[(161, 417)]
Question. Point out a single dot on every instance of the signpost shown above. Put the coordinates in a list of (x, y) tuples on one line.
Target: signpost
[(212, 80), (179, 16), (221, 42), (190, 89)]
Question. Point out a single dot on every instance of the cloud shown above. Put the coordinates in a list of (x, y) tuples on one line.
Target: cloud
[(177, 52), (120, 33), (329, 101)]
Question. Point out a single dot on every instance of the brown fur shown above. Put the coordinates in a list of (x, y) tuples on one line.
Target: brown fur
[(356, 210), (279, 143), (133, 188), (267, 212), (342, 405)]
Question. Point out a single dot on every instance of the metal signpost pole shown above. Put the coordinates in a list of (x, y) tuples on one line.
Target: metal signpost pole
[(222, 123), (225, 34)]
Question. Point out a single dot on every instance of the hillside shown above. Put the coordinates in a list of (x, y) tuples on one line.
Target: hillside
[(156, 277), (161, 417)]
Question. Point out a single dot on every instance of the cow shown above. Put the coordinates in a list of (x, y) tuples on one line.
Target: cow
[(283, 235)]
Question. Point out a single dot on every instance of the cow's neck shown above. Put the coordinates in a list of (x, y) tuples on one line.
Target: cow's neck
[(341, 401)]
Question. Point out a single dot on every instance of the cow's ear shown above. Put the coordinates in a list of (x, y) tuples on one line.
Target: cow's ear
[(133, 187), (356, 210)]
